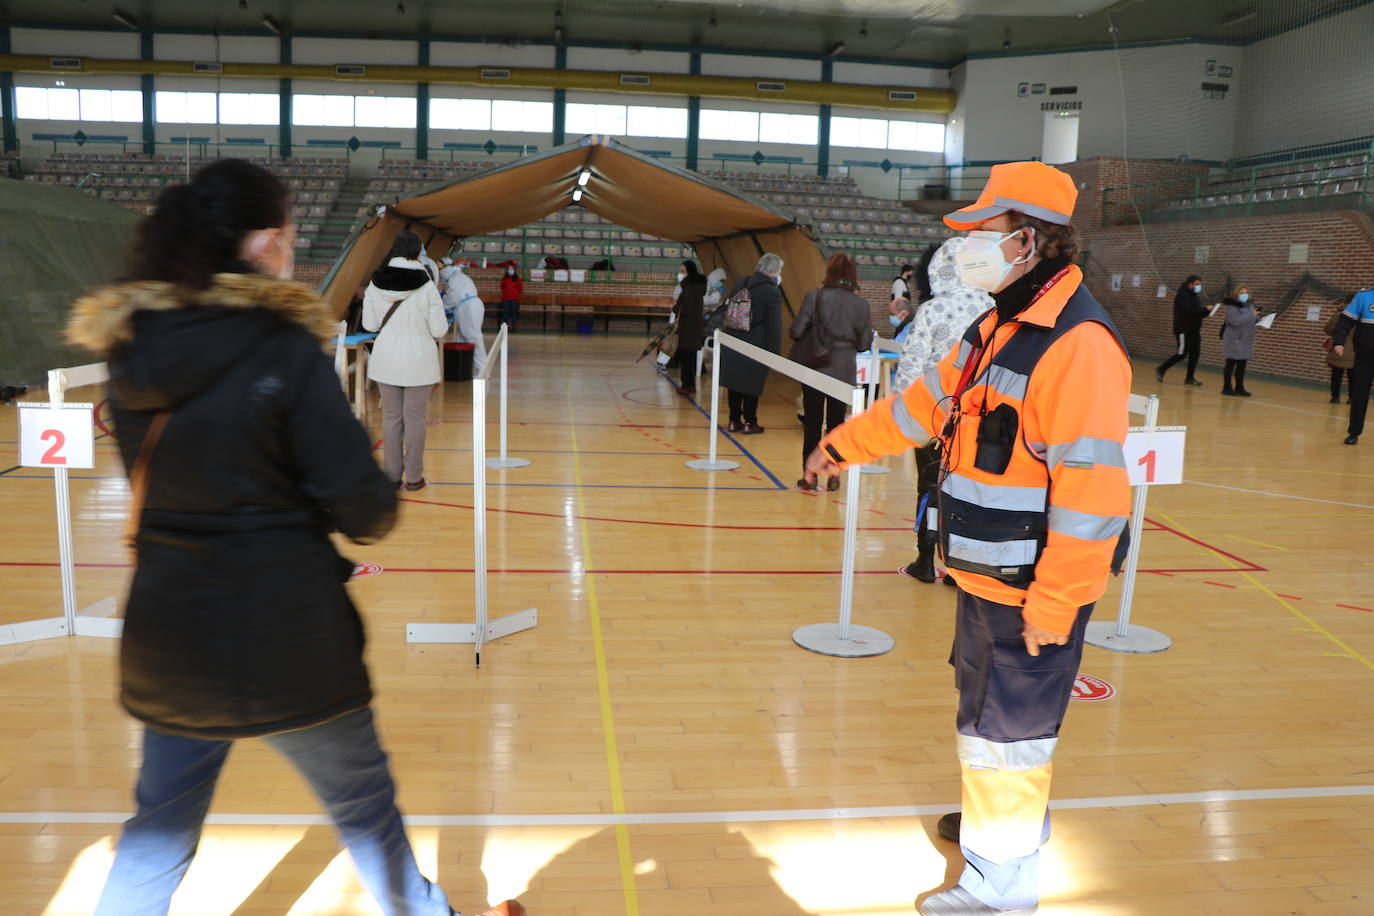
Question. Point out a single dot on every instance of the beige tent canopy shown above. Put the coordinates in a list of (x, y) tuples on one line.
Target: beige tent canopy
[(728, 229)]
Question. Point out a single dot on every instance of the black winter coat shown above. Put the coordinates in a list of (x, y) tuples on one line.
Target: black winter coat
[(691, 317), (738, 372), (1188, 311), (237, 621)]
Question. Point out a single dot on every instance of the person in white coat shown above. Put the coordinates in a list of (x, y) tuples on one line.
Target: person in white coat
[(403, 306), (466, 309)]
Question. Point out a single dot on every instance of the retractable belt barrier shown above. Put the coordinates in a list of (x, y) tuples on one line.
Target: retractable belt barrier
[(844, 639)]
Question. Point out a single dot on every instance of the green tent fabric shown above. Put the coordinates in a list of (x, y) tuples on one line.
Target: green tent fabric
[(54, 244)]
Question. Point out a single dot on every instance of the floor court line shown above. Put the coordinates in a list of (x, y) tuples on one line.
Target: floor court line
[(461, 483), (630, 819), (748, 454), (1309, 499)]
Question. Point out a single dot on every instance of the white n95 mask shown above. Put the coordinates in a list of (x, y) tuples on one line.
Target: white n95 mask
[(981, 263)]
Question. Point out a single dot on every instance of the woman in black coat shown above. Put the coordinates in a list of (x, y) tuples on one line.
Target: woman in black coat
[(690, 320), (238, 622), (741, 376), (1188, 314)]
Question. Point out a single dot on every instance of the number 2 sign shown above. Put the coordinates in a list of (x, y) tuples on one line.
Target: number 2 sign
[(61, 438), (1154, 457)]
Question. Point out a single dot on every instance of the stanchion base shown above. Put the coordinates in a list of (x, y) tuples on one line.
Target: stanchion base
[(874, 469), (507, 463), (467, 632), (1138, 639), (706, 464), (824, 638), (96, 620)]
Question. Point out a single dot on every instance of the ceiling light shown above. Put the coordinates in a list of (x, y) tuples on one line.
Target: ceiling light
[(863, 30), (835, 49), (125, 19), (577, 195), (271, 25), (585, 177)]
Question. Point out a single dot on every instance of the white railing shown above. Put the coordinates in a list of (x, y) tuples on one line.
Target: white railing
[(98, 619), (845, 638), (483, 630)]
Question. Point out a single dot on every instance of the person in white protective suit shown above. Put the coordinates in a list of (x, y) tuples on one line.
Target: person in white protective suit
[(466, 309)]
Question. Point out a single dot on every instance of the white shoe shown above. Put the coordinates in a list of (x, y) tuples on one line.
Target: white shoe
[(958, 902)]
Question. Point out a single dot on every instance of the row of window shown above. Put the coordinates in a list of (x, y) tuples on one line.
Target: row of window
[(264, 108)]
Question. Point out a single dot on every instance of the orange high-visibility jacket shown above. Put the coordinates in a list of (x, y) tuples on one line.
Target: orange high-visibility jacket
[(1040, 532)]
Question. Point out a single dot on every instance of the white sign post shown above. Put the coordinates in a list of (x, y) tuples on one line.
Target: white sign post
[(59, 436), (1154, 457)]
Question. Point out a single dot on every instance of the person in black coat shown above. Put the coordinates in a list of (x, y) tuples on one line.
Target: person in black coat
[(741, 376), (238, 622), (1188, 314), (689, 318)]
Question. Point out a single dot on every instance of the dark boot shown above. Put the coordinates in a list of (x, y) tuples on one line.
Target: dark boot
[(922, 569)]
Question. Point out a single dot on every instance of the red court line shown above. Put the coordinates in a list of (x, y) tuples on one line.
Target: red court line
[(634, 521), (1217, 584), (1248, 565), (663, 572), (1351, 607), (99, 421)]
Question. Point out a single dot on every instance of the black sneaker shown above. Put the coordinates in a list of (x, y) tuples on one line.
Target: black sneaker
[(1193, 382), (735, 427), (1335, 400), (1352, 440), (1159, 375), (751, 429)]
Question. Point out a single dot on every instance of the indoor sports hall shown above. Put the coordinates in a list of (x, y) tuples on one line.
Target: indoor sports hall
[(584, 631)]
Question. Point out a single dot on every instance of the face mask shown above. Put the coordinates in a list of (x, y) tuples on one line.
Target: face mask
[(894, 320), (1244, 298), (510, 273), (1197, 288), (681, 277), (981, 263), (778, 280)]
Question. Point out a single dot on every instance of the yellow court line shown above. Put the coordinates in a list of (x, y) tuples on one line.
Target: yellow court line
[(1236, 537), (1347, 650), (603, 685)]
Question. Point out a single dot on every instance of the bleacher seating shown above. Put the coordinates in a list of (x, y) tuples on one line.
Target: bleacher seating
[(1288, 186)]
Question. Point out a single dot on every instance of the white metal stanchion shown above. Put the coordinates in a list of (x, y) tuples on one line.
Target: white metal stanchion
[(341, 354), (90, 621), (845, 638), (504, 461), (484, 630), (874, 370), (713, 463), (1124, 636)]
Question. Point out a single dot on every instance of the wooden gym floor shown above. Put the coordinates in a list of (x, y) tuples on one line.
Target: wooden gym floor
[(658, 745)]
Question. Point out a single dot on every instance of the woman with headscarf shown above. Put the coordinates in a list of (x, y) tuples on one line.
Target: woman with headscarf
[(690, 322), (936, 328)]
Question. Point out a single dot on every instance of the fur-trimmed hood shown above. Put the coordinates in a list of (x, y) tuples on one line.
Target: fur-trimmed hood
[(102, 321), (164, 345)]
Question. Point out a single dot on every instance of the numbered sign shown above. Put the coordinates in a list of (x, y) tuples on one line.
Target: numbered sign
[(863, 369), (1155, 457), (61, 438)]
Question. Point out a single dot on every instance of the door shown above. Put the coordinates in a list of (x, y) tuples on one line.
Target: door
[(1061, 137)]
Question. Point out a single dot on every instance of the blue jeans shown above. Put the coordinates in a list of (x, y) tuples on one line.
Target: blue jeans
[(345, 765)]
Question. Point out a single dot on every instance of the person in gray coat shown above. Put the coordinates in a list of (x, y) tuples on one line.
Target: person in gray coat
[(1238, 340), (844, 325), (741, 376)]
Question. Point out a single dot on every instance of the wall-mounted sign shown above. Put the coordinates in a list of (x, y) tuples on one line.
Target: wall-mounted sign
[(1061, 106), (1224, 72), (1022, 89), (1210, 69), (1116, 282), (1201, 254), (1037, 89), (1297, 253)]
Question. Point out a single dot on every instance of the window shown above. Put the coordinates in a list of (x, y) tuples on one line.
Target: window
[(738, 126), (921, 136), (460, 114), (249, 108), (788, 128), (644, 121), (185, 107), (596, 119), (353, 111), (41, 104), (383, 111), (525, 117)]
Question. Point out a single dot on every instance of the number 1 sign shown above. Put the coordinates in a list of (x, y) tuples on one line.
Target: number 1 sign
[(61, 438), (1154, 457)]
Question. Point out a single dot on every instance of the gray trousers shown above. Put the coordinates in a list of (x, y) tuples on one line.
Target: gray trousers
[(404, 414)]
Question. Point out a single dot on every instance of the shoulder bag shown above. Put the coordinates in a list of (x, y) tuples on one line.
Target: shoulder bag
[(811, 349)]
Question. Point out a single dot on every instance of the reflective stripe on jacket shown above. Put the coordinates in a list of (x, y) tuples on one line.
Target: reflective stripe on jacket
[(1037, 526)]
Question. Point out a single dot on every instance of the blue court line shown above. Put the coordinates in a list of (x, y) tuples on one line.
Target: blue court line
[(446, 483), (744, 451)]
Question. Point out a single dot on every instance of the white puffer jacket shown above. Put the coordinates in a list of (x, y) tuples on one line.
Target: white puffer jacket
[(404, 353)]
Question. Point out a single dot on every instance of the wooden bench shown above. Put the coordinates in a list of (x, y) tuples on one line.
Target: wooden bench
[(580, 306)]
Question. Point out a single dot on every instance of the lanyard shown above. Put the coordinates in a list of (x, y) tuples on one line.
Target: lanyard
[(976, 356)]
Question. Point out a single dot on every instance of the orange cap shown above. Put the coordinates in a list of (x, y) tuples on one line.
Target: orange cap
[(1032, 188)]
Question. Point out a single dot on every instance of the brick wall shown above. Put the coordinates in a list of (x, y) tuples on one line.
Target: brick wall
[(1253, 251), (1093, 175)]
